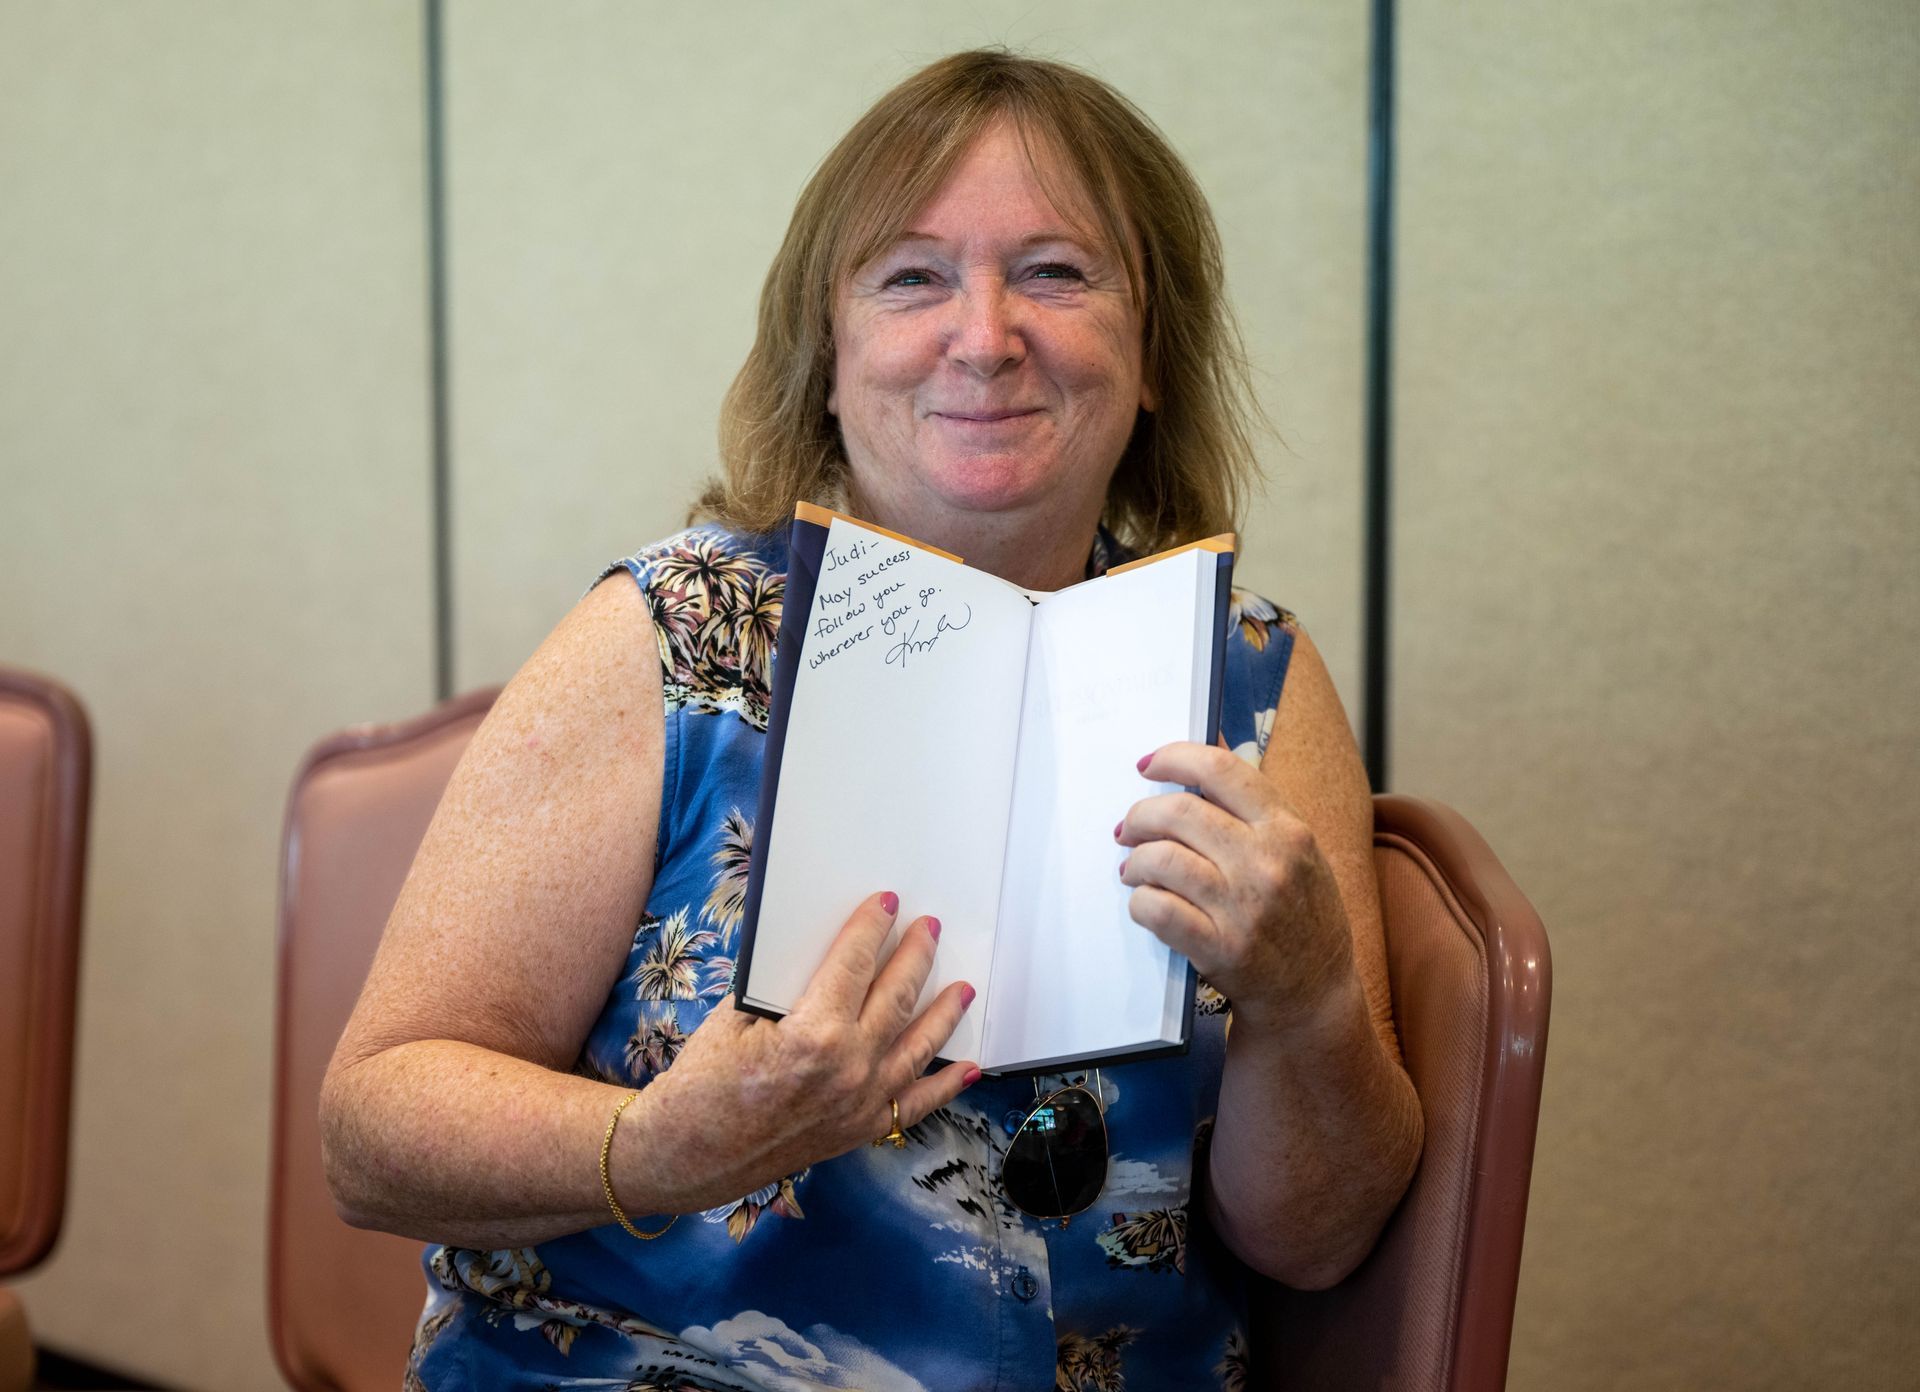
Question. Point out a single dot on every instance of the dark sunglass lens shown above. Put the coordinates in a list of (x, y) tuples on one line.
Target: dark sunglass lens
[(1056, 1164)]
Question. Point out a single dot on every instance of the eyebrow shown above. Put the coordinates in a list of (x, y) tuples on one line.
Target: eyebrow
[(1036, 239)]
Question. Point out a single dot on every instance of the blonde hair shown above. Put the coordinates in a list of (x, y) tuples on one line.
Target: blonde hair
[(1189, 466)]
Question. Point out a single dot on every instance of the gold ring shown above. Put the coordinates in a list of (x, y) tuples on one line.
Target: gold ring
[(897, 1136)]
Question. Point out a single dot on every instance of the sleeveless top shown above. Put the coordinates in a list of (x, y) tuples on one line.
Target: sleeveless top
[(884, 1269)]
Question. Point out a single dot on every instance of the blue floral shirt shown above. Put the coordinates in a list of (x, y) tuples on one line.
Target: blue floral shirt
[(882, 1269)]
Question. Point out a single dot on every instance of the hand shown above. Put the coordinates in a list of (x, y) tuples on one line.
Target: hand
[(751, 1100), (1235, 883)]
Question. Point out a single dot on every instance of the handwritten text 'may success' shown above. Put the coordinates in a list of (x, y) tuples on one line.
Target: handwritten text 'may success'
[(878, 595)]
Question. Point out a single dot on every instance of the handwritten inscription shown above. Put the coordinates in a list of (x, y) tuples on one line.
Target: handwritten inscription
[(884, 564), (913, 643), (833, 623), (847, 555), (874, 589), (852, 640)]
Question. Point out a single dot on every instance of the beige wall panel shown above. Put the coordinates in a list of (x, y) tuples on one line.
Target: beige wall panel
[(1658, 610), (620, 176), (214, 526)]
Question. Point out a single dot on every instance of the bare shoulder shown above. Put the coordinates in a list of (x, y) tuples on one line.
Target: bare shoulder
[(521, 903), (1313, 758)]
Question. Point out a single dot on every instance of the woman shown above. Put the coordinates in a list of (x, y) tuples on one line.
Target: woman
[(996, 323)]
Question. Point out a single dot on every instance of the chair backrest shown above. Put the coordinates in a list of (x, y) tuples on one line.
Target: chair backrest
[(1431, 1309), (46, 756), (341, 1302)]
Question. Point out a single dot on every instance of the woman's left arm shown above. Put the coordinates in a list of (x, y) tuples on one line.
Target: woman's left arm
[(1268, 886)]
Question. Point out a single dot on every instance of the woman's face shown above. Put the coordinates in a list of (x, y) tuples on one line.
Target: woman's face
[(989, 361)]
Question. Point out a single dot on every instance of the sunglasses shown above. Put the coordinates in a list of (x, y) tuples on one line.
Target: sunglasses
[(1056, 1163)]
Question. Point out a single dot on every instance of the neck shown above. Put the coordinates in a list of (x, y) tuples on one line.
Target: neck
[(1036, 553)]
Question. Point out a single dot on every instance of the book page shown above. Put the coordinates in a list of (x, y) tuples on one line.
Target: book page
[(897, 764), (1110, 677)]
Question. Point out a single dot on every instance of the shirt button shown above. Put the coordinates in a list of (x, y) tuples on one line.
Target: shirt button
[(1024, 1286), (1010, 1123)]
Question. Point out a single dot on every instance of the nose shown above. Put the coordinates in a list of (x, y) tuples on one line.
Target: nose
[(987, 336)]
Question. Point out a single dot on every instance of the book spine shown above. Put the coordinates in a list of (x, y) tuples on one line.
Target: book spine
[(805, 554)]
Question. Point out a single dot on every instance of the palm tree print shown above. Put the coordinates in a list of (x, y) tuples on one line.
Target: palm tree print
[(676, 628), (777, 1198), (1236, 1365), (1153, 1241), (727, 901), (1083, 1364), (671, 968), (701, 568), (1255, 616), (658, 1043), (718, 971), (743, 626)]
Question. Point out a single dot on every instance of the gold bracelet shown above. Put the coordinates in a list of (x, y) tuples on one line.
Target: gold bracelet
[(606, 1179)]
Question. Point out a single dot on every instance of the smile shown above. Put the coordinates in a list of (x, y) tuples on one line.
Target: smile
[(982, 417)]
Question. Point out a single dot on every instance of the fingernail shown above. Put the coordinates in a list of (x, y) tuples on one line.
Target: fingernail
[(890, 902), (972, 1077), (1145, 759), (1116, 828), (1123, 866), (933, 928), (967, 994)]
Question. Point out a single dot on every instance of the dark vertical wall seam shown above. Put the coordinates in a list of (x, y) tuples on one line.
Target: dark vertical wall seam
[(1376, 673), (437, 359)]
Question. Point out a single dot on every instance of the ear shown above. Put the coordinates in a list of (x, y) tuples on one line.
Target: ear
[(833, 399), (1149, 398)]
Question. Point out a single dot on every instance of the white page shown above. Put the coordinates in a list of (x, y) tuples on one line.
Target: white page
[(1074, 973), (897, 764)]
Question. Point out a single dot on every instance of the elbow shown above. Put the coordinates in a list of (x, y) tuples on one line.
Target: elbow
[(1304, 1271), (345, 1176), (1316, 1244)]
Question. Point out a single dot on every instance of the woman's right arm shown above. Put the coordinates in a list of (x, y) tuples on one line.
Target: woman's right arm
[(449, 1114)]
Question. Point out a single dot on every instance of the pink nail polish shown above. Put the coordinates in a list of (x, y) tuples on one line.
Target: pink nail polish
[(972, 1077), (1117, 826), (1145, 759), (890, 902), (1123, 867), (967, 994), (933, 928)]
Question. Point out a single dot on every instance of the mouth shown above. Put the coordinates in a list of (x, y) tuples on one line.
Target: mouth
[(984, 417)]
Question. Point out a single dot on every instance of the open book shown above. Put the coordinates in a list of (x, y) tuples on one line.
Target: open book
[(970, 745)]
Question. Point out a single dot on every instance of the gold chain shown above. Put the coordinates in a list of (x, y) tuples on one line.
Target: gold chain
[(606, 1178)]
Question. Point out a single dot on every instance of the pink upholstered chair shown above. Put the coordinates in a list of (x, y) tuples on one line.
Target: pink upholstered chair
[(342, 1302), (46, 753), (1431, 1310)]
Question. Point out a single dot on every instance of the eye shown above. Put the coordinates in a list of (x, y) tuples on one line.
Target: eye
[(910, 278), (1056, 270)]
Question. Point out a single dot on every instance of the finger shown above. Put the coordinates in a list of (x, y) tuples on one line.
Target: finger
[(896, 990), (840, 984), (1173, 867), (920, 1042), (1177, 923), (925, 1096), (1224, 778), (1192, 821)]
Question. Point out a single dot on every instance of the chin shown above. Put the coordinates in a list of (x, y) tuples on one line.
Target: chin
[(986, 483)]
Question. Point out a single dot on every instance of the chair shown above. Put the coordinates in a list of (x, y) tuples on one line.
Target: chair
[(1431, 1309), (342, 1302), (46, 762)]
